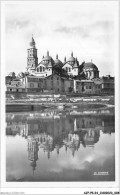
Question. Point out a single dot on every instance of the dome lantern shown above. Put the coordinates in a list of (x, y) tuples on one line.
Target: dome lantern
[(65, 59), (56, 56), (72, 54), (47, 53)]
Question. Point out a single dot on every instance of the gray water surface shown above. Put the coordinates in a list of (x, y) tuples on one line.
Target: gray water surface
[(60, 145)]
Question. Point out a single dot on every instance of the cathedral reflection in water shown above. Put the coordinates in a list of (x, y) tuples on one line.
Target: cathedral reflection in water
[(51, 131)]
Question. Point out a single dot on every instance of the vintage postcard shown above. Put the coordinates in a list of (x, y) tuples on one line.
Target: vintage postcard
[(60, 97)]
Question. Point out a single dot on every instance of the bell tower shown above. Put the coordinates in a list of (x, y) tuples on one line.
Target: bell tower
[(32, 59)]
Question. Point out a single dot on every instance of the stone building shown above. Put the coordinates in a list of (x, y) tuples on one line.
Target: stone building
[(71, 66), (47, 65), (68, 85), (15, 85), (53, 75), (107, 83), (87, 87), (57, 68), (54, 83), (91, 71), (33, 83), (57, 84), (10, 77)]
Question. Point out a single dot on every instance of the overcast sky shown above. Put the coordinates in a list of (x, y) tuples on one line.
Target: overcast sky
[(84, 27)]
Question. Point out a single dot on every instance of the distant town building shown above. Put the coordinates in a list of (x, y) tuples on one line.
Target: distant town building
[(10, 77), (107, 85), (87, 87), (15, 85)]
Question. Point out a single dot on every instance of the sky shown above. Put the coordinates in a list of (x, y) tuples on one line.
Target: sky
[(85, 27)]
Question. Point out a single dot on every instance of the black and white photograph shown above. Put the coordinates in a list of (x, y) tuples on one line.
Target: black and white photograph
[(59, 95)]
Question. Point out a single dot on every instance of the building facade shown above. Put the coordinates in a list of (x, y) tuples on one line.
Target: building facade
[(15, 85), (87, 87), (47, 65), (107, 85), (51, 75), (71, 66)]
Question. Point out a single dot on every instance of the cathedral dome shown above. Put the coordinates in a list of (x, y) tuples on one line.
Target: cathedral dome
[(89, 65), (47, 59), (71, 58), (57, 62)]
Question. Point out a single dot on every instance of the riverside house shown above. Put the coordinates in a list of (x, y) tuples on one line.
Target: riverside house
[(53, 83), (15, 85), (58, 84), (33, 83), (107, 84), (87, 87)]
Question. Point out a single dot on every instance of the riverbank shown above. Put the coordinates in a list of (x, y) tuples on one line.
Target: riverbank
[(41, 106), (35, 103)]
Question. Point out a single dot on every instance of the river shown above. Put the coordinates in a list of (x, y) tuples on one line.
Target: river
[(60, 145)]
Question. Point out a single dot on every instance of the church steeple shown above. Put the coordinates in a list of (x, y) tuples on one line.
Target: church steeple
[(32, 152), (32, 59), (32, 43)]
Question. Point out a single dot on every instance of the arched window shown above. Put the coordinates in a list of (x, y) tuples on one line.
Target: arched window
[(67, 69), (95, 74), (40, 68), (43, 69)]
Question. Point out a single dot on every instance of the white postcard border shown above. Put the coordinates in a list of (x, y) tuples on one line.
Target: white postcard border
[(61, 187)]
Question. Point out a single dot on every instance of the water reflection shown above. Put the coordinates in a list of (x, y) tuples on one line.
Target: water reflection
[(53, 131)]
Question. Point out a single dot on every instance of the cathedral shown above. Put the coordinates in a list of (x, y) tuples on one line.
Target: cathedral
[(67, 76), (47, 65)]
